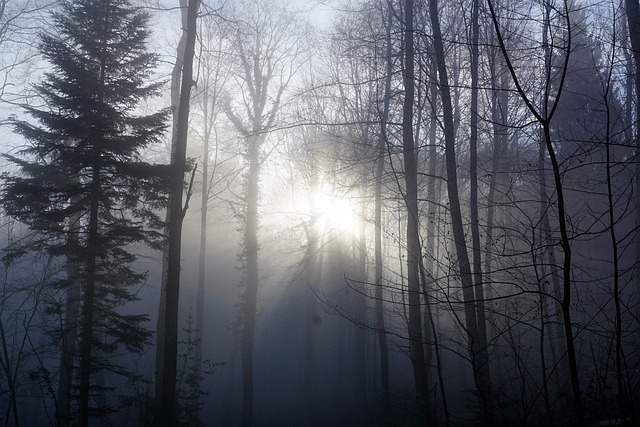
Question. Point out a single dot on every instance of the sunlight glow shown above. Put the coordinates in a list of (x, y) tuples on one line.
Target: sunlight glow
[(333, 212)]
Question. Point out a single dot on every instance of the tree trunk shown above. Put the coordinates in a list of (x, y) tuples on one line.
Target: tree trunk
[(547, 240), (497, 185), (633, 19), (208, 122), (433, 196), (167, 412), (619, 356), (477, 351), (416, 349), (565, 243), (544, 118), (70, 333), (176, 73), (475, 222), (360, 353), (202, 261), (251, 292), (425, 316), (379, 295), (379, 173), (11, 386), (88, 302), (314, 258)]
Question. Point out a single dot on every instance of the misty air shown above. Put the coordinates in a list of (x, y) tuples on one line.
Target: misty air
[(319, 213)]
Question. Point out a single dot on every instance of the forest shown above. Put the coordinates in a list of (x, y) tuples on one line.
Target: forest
[(319, 213)]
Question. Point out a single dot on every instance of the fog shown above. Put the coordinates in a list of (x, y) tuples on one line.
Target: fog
[(392, 213)]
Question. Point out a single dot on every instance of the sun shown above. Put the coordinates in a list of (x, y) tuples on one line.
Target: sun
[(333, 211)]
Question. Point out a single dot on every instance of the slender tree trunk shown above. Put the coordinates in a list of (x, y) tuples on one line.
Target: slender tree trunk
[(251, 292), (411, 200), (544, 236), (473, 162), (565, 243), (202, 261), (176, 73), (167, 412), (475, 222), (542, 304), (5, 361), (497, 186), (70, 334), (439, 370), (162, 314), (360, 354), (427, 339), (379, 174), (88, 300), (547, 239), (619, 356), (544, 118), (477, 351), (633, 19), (315, 259), (379, 295), (548, 251), (204, 211), (72, 308), (88, 305), (433, 194)]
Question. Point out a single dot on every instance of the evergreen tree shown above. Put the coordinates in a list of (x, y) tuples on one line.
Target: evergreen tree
[(83, 186)]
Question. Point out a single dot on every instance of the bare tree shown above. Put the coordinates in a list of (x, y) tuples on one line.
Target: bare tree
[(411, 201), (20, 23), (544, 118), (378, 226), (214, 74), (168, 345), (632, 8), (474, 315), (269, 53)]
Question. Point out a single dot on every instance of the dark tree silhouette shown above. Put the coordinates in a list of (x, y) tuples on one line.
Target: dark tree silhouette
[(411, 201), (83, 163), (167, 353), (269, 51), (473, 299)]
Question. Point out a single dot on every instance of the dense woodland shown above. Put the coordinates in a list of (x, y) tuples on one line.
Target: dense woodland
[(319, 213)]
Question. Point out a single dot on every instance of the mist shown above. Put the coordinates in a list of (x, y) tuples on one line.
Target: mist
[(319, 213)]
